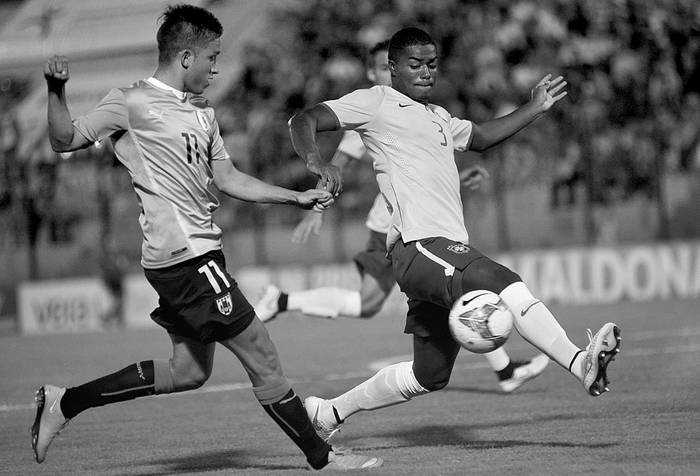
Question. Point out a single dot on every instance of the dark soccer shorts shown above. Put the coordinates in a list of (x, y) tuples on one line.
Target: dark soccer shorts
[(374, 261), (435, 272), (199, 300)]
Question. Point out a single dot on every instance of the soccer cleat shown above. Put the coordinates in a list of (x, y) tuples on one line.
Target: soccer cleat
[(600, 351), (343, 460), (523, 372), (267, 308), (49, 419), (322, 416)]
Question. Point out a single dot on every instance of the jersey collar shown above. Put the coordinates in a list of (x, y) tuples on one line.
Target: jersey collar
[(181, 95)]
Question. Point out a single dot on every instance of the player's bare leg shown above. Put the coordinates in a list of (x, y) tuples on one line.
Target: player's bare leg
[(260, 360), (372, 296)]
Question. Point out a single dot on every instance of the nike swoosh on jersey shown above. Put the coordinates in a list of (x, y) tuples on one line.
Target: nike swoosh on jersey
[(405, 105), (524, 311)]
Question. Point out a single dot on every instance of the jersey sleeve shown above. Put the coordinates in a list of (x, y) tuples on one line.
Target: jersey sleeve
[(461, 133), (351, 145), (108, 117), (357, 108), (217, 150)]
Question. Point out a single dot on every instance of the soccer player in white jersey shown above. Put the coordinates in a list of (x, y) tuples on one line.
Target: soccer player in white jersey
[(412, 143), (377, 277), (167, 137)]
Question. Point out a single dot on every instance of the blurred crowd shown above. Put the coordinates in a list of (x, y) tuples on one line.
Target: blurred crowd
[(632, 68), (633, 112)]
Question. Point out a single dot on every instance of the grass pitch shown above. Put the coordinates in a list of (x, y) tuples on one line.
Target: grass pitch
[(648, 424)]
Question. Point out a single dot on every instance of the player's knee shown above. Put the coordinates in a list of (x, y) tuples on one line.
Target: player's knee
[(189, 378), (372, 303), (431, 380), (370, 309), (491, 276)]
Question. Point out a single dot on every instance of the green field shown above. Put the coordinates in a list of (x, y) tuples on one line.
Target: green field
[(648, 424)]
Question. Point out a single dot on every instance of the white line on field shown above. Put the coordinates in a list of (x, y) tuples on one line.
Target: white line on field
[(378, 364)]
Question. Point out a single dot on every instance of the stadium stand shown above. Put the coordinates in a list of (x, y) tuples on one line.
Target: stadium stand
[(628, 133)]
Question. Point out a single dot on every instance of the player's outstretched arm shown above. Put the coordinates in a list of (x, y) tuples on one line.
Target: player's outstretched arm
[(309, 225), (303, 127), (61, 133), (237, 184), (544, 95), (312, 222), (473, 177)]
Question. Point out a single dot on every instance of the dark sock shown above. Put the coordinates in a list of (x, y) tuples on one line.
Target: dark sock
[(131, 382), (290, 415), (282, 302), (507, 372)]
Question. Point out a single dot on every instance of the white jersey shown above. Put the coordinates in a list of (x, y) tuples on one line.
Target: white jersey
[(412, 147), (167, 140), (378, 218)]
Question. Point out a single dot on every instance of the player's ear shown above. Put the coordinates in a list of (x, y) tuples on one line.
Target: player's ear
[(392, 67), (186, 58)]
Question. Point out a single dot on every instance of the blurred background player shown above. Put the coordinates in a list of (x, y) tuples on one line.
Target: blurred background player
[(412, 143), (377, 278), (168, 138)]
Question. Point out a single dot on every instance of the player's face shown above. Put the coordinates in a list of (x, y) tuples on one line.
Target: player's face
[(379, 73), (203, 68), (414, 72)]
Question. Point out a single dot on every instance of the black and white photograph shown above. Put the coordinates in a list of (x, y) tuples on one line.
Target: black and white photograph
[(427, 237)]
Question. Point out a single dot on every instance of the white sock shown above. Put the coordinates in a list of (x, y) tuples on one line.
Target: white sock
[(391, 385), (331, 302), (539, 327), (498, 359)]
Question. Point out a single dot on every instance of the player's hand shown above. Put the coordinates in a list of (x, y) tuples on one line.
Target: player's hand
[(473, 177), (56, 71), (314, 198), (310, 224), (548, 91), (330, 177)]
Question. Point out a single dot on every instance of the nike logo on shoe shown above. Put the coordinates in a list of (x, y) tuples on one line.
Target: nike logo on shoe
[(52, 408), (314, 420), (524, 311)]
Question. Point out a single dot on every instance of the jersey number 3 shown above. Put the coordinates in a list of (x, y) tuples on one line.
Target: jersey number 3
[(442, 133)]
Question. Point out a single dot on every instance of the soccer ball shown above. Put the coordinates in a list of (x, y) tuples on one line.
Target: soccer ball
[(480, 321)]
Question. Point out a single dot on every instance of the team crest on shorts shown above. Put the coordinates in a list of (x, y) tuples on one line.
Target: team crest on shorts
[(459, 248), (225, 304)]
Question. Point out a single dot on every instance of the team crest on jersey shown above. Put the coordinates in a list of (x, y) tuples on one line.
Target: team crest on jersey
[(203, 120), (225, 304), (459, 248)]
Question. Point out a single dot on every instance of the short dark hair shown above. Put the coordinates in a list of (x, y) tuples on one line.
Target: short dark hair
[(185, 26), (402, 39), (381, 46)]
